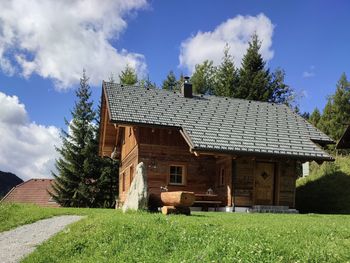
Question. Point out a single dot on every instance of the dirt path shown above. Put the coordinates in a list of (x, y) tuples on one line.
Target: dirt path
[(19, 242)]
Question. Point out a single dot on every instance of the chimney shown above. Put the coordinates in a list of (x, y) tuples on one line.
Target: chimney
[(186, 88)]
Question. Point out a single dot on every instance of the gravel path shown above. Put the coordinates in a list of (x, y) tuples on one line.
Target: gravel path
[(19, 242)]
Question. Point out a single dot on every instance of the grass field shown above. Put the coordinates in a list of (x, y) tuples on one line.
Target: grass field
[(110, 236), (13, 215)]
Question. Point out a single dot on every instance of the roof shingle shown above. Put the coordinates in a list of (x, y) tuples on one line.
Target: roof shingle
[(219, 123)]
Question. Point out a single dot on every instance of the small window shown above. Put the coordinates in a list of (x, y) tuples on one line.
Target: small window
[(222, 176), (123, 182), (177, 175), (130, 131), (131, 173)]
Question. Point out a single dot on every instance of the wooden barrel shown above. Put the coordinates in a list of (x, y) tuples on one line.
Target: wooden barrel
[(178, 198)]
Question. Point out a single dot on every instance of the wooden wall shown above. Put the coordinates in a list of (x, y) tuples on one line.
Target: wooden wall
[(244, 181), (287, 178), (160, 148), (129, 159), (223, 179)]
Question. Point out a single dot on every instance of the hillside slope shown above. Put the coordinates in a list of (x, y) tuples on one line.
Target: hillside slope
[(326, 189), (7, 181)]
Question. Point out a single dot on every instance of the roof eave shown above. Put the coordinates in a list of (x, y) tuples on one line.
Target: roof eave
[(266, 155)]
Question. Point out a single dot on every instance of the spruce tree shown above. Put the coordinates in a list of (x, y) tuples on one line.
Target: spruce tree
[(170, 83), (226, 77), (78, 165), (128, 76), (326, 122), (108, 180), (180, 82), (336, 114), (254, 79), (147, 83), (341, 107), (279, 91), (203, 78), (315, 117)]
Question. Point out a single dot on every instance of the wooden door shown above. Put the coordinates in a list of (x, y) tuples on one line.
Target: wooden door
[(264, 182)]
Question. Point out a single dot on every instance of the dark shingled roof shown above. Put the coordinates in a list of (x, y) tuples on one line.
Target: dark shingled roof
[(213, 123)]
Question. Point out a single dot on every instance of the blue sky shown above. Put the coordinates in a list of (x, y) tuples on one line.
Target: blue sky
[(41, 60)]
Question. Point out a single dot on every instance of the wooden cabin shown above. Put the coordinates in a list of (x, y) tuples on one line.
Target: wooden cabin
[(244, 152)]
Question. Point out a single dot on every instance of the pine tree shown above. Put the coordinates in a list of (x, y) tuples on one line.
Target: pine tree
[(336, 114), (78, 166), (108, 181), (107, 184), (341, 107), (254, 79), (326, 123), (315, 117), (170, 83), (226, 77), (180, 82), (128, 76), (147, 83), (203, 78), (279, 91)]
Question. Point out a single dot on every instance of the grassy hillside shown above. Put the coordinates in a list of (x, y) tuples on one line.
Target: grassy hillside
[(326, 189)]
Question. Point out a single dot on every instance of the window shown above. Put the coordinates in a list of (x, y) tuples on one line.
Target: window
[(130, 131), (177, 174), (222, 176), (131, 173), (123, 182)]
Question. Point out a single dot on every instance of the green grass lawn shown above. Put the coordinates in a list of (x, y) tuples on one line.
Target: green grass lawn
[(13, 215), (110, 236)]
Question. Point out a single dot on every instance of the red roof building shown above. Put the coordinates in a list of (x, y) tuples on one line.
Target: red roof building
[(33, 191)]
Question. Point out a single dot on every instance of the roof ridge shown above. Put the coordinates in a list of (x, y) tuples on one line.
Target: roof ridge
[(195, 95)]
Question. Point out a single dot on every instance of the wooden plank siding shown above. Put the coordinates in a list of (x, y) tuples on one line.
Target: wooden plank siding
[(161, 148), (287, 179), (129, 159)]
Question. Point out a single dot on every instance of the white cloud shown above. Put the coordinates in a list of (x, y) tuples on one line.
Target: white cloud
[(26, 148), (57, 39), (236, 32), (309, 73)]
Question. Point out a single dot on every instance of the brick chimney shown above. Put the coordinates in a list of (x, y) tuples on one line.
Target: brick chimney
[(186, 88)]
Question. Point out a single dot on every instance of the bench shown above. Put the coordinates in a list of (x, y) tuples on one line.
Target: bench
[(205, 204)]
